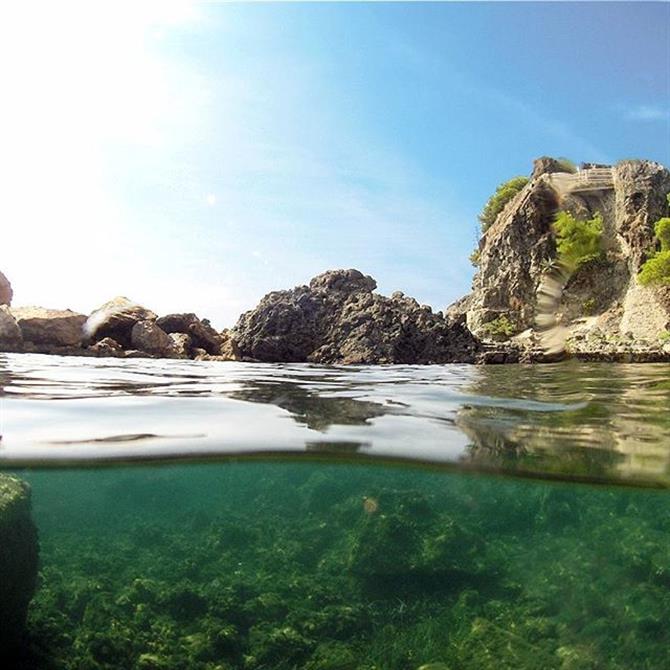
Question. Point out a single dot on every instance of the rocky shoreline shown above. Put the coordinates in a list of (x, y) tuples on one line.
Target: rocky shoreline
[(596, 312)]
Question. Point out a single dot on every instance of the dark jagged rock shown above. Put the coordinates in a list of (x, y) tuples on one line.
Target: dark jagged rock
[(200, 331), (338, 319), (18, 560), (6, 292), (116, 319)]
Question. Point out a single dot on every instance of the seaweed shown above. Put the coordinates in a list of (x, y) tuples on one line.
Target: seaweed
[(281, 566)]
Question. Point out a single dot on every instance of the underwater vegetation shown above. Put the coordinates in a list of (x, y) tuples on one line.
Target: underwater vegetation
[(318, 566)]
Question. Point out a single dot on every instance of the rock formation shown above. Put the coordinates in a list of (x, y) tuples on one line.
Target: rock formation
[(6, 292), (51, 327), (200, 332), (115, 319), (10, 333), (18, 560), (603, 295), (338, 319), (149, 337)]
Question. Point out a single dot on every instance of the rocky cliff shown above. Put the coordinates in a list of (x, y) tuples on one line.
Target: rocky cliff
[(601, 304)]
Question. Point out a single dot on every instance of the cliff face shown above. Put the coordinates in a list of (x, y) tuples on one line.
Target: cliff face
[(603, 295)]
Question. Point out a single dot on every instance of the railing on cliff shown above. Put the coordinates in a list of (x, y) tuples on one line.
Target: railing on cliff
[(589, 179)]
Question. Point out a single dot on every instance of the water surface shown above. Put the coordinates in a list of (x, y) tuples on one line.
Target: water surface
[(604, 422), (380, 525)]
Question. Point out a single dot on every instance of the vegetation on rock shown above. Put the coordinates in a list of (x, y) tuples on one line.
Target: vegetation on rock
[(656, 270), (496, 203), (499, 329), (577, 242)]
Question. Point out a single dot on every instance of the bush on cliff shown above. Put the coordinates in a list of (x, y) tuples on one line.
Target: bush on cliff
[(662, 231), (657, 269), (577, 242), (504, 193)]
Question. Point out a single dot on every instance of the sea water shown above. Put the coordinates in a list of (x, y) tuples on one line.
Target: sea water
[(219, 516)]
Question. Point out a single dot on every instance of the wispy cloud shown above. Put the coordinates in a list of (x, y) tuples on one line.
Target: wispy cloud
[(646, 113)]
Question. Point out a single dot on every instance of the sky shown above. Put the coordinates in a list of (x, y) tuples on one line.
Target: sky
[(194, 157)]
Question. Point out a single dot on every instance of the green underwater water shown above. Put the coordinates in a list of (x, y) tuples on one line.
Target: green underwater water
[(334, 566)]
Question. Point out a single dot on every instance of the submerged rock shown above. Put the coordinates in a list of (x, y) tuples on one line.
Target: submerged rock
[(50, 327), (338, 319), (18, 560), (116, 319), (6, 292)]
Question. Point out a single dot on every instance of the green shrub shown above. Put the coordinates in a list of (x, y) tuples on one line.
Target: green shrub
[(504, 193), (577, 241), (499, 329), (656, 270), (662, 231), (474, 258), (664, 336)]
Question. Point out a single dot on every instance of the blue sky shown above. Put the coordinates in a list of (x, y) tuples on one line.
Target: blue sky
[(194, 157)]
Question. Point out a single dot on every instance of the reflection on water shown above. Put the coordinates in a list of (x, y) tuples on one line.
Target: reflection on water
[(596, 421)]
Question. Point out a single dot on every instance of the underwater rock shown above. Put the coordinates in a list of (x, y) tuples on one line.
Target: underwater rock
[(116, 319), (338, 319), (10, 333), (200, 331), (6, 292), (149, 337), (18, 559), (50, 327)]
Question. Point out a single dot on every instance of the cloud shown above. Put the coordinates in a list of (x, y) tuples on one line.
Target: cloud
[(647, 113)]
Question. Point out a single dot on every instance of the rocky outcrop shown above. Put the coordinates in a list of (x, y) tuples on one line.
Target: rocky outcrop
[(10, 333), (200, 332), (6, 292), (339, 319), (149, 337), (49, 327), (517, 252), (116, 319), (18, 560)]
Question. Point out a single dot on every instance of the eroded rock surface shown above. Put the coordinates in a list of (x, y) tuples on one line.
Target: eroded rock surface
[(201, 333), (338, 319), (18, 560), (116, 319), (6, 292), (149, 337), (50, 327), (10, 333), (518, 250)]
